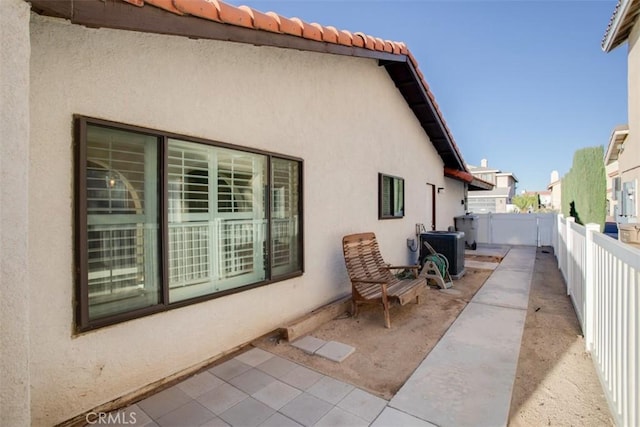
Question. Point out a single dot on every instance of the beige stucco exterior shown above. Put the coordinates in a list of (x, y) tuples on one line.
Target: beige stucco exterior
[(342, 115), (14, 227), (629, 159)]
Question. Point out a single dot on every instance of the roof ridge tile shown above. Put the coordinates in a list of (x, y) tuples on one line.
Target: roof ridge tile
[(330, 34), (379, 45), (235, 15), (345, 38), (264, 21), (289, 26), (311, 32), (370, 42), (359, 39), (207, 9), (300, 23)]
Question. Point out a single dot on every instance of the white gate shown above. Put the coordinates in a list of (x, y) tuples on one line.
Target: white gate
[(516, 229)]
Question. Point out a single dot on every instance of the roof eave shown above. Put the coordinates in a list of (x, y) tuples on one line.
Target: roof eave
[(479, 185), (125, 16), (614, 35), (410, 82), (618, 136)]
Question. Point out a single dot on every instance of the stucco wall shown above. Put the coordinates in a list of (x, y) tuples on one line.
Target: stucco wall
[(14, 161), (342, 115), (630, 159), (450, 204)]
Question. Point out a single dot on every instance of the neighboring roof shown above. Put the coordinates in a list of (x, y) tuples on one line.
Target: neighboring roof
[(554, 184), (508, 174), (496, 192), (213, 19), (476, 170), (480, 169), (480, 184), (616, 140), (621, 23)]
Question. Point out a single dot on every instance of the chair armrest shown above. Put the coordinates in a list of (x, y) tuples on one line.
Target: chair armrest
[(413, 268), (397, 267), (368, 280)]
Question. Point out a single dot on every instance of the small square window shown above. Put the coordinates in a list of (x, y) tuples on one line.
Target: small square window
[(390, 197)]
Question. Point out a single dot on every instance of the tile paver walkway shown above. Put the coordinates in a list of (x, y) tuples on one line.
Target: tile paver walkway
[(257, 388), (467, 378)]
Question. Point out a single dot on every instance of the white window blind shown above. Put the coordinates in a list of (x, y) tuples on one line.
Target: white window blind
[(188, 174), (284, 216), (221, 248), (235, 182)]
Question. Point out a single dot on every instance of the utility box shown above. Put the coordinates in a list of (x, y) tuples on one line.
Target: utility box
[(629, 233), (468, 224), (448, 243)]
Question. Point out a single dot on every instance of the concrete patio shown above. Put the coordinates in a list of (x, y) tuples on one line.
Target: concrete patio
[(466, 380)]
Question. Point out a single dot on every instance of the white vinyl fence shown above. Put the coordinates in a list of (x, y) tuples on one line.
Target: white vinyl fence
[(603, 279), (516, 229)]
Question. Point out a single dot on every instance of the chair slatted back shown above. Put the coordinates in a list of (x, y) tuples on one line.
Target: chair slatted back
[(363, 259)]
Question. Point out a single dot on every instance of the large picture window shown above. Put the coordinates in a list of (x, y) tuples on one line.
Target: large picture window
[(390, 197), (164, 221)]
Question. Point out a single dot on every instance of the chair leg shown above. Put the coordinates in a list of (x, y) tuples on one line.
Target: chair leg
[(354, 308), (385, 307)]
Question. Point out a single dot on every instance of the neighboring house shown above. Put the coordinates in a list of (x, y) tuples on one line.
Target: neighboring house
[(624, 27), (555, 188), (545, 199), (496, 200), (615, 149), (177, 180)]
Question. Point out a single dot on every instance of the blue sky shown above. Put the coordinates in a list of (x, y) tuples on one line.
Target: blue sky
[(523, 84)]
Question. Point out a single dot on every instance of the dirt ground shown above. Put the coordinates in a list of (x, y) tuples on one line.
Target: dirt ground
[(555, 384), (385, 358)]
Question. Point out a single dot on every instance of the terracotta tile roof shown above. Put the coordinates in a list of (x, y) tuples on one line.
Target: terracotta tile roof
[(458, 174), (270, 29), (244, 16)]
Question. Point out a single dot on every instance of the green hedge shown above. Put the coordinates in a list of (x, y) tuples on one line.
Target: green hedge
[(584, 187)]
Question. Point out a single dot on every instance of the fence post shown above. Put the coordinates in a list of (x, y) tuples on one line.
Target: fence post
[(589, 284), (569, 260), (557, 248), (554, 235), (490, 227)]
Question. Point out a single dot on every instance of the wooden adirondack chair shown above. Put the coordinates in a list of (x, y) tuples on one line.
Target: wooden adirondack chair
[(372, 281)]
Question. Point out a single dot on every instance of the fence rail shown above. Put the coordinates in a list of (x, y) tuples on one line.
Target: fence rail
[(603, 280)]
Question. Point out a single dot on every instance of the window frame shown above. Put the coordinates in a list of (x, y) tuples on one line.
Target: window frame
[(83, 322), (381, 180)]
